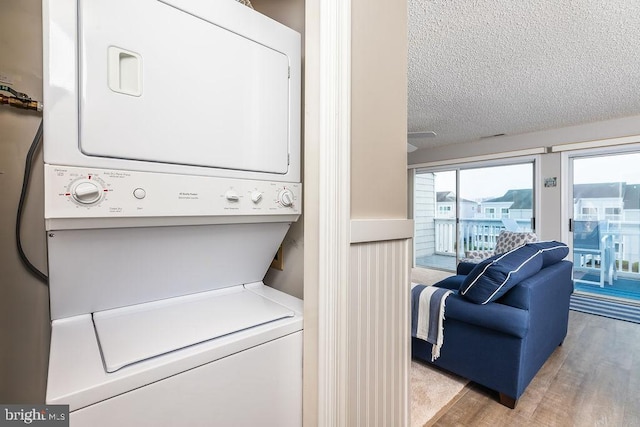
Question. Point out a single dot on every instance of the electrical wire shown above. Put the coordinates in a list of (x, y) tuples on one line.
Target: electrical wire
[(23, 194)]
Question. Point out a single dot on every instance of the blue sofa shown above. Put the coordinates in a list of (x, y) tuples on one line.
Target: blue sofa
[(503, 343)]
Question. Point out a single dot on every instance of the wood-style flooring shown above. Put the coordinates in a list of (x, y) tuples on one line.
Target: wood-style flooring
[(593, 379)]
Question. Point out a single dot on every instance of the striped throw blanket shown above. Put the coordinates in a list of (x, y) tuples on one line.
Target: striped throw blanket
[(427, 315)]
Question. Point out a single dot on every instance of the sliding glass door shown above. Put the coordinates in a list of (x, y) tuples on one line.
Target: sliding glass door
[(605, 225), (493, 199), (463, 209)]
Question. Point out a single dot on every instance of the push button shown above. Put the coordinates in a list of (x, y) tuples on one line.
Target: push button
[(139, 193)]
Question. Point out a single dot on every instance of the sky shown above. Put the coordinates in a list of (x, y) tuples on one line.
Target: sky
[(619, 168), (482, 183)]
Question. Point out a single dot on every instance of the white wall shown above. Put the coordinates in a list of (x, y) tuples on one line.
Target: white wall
[(24, 302), (424, 210), (549, 223)]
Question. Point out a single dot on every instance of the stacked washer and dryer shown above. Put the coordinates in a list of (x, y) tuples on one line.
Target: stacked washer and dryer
[(172, 173)]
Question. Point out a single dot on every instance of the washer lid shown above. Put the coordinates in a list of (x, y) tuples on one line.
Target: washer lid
[(131, 334)]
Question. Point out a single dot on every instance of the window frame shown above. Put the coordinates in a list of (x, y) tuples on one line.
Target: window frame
[(457, 166)]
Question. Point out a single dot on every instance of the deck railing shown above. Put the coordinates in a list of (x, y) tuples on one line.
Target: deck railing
[(626, 244), (481, 234), (475, 234)]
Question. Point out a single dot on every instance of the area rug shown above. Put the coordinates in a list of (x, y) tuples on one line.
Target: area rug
[(432, 390), (606, 308)]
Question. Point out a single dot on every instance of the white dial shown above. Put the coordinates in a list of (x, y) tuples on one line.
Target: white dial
[(232, 195), (286, 198), (256, 196), (86, 192)]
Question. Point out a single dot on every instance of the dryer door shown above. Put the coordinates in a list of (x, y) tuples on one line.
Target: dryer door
[(160, 84)]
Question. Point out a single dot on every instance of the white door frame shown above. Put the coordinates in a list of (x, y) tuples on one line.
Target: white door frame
[(327, 208)]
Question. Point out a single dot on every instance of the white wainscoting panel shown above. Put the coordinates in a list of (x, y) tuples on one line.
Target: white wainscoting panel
[(378, 335)]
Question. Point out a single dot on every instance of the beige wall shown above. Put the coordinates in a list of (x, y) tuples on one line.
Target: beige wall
[(311, 180), (379, 270), (24, 303), (550, 212), (287, 12), (378, 109)]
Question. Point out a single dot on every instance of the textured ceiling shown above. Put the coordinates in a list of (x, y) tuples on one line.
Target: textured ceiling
[(481, 67)]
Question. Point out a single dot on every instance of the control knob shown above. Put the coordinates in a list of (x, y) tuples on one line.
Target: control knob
[(86, 193), (285, 198), (256, 196), (232, 196)]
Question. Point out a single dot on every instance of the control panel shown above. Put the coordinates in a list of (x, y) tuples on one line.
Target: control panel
[(72, 192)]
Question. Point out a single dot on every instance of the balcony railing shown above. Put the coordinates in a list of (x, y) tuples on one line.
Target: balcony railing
[(481, 234), (626, 245), (475, 234), (436, 247)]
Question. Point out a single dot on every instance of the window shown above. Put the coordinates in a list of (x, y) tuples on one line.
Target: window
[(589, 214), (612, 213), (448, 224), (445, 212)]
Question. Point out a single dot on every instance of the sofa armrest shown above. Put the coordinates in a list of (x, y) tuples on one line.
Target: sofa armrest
[(543, 288), (495, 316)]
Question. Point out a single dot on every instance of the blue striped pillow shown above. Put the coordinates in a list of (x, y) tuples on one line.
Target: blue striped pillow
[(493, 277)]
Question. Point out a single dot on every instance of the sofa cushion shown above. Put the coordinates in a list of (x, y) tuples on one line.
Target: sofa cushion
[(552, 251), (490, 279), (508, 240)]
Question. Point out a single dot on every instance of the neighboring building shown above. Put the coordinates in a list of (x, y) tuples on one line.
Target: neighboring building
[(613, 201), (481, 222), (601, 201), (631, 203), (516, 204), (617, 203), (446, 205)]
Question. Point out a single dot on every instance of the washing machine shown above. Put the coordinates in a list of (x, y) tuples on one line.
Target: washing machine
[(172, 174)]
